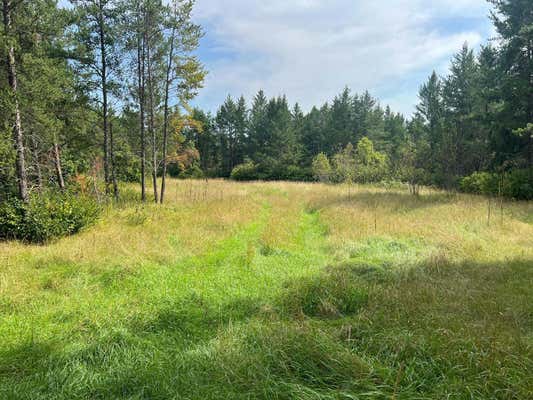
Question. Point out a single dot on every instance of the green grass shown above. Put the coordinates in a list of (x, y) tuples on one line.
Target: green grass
[(275, 291)]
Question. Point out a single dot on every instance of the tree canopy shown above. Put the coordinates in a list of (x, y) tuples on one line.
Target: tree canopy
[(102, 89)]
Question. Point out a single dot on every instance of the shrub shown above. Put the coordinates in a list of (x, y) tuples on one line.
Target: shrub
[(245, 172), (322, 170), (46, 217), (193, 172), (371, 165), (361, 164), (282, 172), (480, 183), (11, 219), (518, 184), (299, 174), (344, 165), (515, 184)]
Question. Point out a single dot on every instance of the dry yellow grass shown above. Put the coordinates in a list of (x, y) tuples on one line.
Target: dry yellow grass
[(200, 214), (153, 289)]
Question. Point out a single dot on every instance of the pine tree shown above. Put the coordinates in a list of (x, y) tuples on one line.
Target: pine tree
[(341, 130), (12, 76), (459, 95), (431, 110), (96, 36), (184, 74), (227, 131), (257, 125), (513, 20)]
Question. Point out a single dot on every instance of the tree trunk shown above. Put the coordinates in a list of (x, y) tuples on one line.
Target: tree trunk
[(38, 169), (165, 121), (18, 134), (103, 66), (113, 162), (140, 78), (530, 110), (151, 126), (57, 164)]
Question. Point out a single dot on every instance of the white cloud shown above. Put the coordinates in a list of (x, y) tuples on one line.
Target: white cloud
[(311, 49)]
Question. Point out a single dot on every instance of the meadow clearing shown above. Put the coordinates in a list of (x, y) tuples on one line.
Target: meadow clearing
[(276, 291)]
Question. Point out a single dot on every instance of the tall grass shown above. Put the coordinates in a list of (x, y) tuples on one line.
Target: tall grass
[(275, 291)]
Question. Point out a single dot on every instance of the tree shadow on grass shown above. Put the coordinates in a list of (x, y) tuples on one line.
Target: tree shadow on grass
[(425, 322), (195, 316), (406, 333), (25, 359)]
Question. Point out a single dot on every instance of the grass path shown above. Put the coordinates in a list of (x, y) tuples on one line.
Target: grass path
[(275, 291)]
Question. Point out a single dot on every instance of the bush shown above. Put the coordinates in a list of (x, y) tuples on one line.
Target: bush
[(46, 217), (371, 165), (361, 164), (480, 183), (298, 174), (245, 172), (193, 172), (11, 219), (518, 184), (515, 184), (321, 166), (282, 172)]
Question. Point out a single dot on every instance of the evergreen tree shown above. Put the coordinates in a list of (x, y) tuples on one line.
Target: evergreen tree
[(313, 135), (96, 35), (341, 129), (10, 27), (257, 125), (431, 110), (513, 20), (184, 74), (459, 95)]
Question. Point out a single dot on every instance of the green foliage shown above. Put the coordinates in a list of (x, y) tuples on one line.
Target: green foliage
[(128, 166), (46, 217), (245, 172), (410, 167), (322, 168), (362, 164), (473, 118), (278, 171), (231, 124), (371, 166), (480, 183), (344, 165), (297, 173), (192, 172), (7, 163), (516, 184), (269, 170)]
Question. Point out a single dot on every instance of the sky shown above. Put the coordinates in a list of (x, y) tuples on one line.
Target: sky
[(311, 49)]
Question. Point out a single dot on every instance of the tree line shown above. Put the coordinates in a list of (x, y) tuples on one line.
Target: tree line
[(472, 128), (101, 91), (92, 88)]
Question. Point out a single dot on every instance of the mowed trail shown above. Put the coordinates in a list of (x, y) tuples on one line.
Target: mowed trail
[(275, 290)]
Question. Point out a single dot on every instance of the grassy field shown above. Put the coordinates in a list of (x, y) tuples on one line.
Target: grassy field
[(276, 291)]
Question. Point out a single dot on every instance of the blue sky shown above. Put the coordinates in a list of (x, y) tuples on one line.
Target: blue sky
[(311, 49)]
